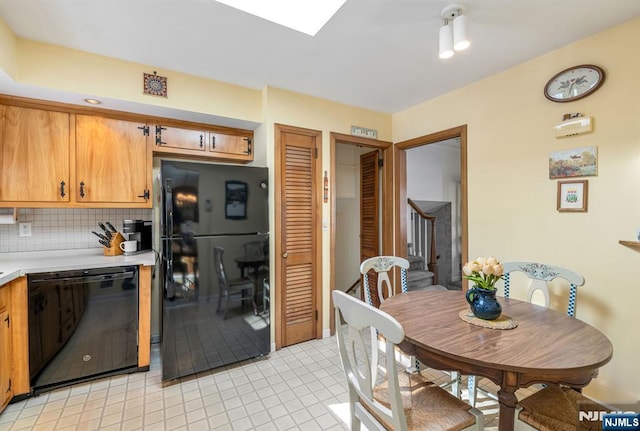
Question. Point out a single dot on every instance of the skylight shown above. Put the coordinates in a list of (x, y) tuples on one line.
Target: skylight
[(306, 16)]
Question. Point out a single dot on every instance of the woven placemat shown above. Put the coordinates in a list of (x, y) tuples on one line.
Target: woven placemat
[(502, 322)]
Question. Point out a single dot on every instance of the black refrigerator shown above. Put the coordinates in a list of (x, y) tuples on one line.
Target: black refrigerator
[(215, 266)]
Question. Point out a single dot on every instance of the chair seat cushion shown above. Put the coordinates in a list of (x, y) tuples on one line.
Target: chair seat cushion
[(426, 405), (556, 409)]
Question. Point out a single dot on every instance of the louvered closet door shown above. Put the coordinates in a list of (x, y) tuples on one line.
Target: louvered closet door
[(299, 263), (370, 215)]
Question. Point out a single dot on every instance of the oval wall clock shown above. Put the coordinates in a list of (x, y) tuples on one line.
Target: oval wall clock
[(574, 83)]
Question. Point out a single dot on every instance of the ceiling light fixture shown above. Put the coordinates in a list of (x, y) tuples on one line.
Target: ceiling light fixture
[(92, 101), (446, 41), (304, 16), (453, 34)]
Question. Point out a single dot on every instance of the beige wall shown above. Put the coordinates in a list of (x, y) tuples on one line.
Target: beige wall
[(512, 202), (68, 70), (8, 50)]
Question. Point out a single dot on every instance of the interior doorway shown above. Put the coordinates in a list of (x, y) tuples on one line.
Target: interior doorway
[(402, 209), (433, 185), (355, 146)]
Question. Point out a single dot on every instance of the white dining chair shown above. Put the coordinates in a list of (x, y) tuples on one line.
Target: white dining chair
[(382, 267), (539, 275), (387, 401)]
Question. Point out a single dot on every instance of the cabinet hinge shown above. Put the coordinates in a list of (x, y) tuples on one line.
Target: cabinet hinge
[(316, 152), (145, 195), (9, 388), (8, 321), (380, 163), (249, 143), (316, 314), (145, 130), (159, 130)]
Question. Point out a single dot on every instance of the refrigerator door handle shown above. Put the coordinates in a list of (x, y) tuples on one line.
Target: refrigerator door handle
[(168, 252), (168, 206)]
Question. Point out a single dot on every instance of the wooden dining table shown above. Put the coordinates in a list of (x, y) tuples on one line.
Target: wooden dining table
[(547, 346)]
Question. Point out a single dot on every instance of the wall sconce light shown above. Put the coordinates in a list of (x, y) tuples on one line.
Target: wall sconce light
[(453, 34)]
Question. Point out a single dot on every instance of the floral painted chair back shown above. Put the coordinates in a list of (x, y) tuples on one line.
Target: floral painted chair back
[(382, 265), (540, 275)]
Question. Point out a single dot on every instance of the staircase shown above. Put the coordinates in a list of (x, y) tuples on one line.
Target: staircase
[(419, 278)]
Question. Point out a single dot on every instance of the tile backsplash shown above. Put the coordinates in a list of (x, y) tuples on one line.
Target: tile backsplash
[(57, 229)]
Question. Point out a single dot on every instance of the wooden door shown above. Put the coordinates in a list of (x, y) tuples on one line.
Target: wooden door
[(34, 155), (370, 215), (298, 248), (176, 137), (113, 161)]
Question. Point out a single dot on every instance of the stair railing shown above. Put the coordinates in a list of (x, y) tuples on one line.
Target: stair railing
[(351, 290), (418, 237)]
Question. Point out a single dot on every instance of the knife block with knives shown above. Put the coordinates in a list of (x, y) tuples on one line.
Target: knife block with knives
[(114, 245)]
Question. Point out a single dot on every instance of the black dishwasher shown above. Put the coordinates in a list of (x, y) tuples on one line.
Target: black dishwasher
[(83, 324)]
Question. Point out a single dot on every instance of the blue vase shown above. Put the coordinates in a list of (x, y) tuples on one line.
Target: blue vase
[(483, 303)]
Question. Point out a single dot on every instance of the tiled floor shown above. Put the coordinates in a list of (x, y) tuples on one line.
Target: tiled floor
[(297, 388)]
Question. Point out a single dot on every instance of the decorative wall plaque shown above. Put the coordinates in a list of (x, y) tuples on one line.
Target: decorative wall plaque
[(155, 85)]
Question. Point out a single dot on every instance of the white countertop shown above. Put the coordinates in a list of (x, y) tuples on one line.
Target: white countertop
[(14, 265)]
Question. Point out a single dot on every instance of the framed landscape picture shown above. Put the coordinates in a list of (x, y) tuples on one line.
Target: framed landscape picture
[(579, 162)]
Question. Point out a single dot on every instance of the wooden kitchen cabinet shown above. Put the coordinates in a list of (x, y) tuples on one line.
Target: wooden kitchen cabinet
[(234, 145), (224, 145), (113, 162), (34, 155), (56, 155), (180, 139), (6, 348)]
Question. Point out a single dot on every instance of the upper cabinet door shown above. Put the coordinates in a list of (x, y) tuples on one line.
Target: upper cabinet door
[(231, 145), (236, 146), (113, 162), (34, 155), (175, 137)]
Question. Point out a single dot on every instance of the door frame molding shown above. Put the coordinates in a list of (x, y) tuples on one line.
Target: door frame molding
[(386, 147), (317, 227), (400, 202)]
